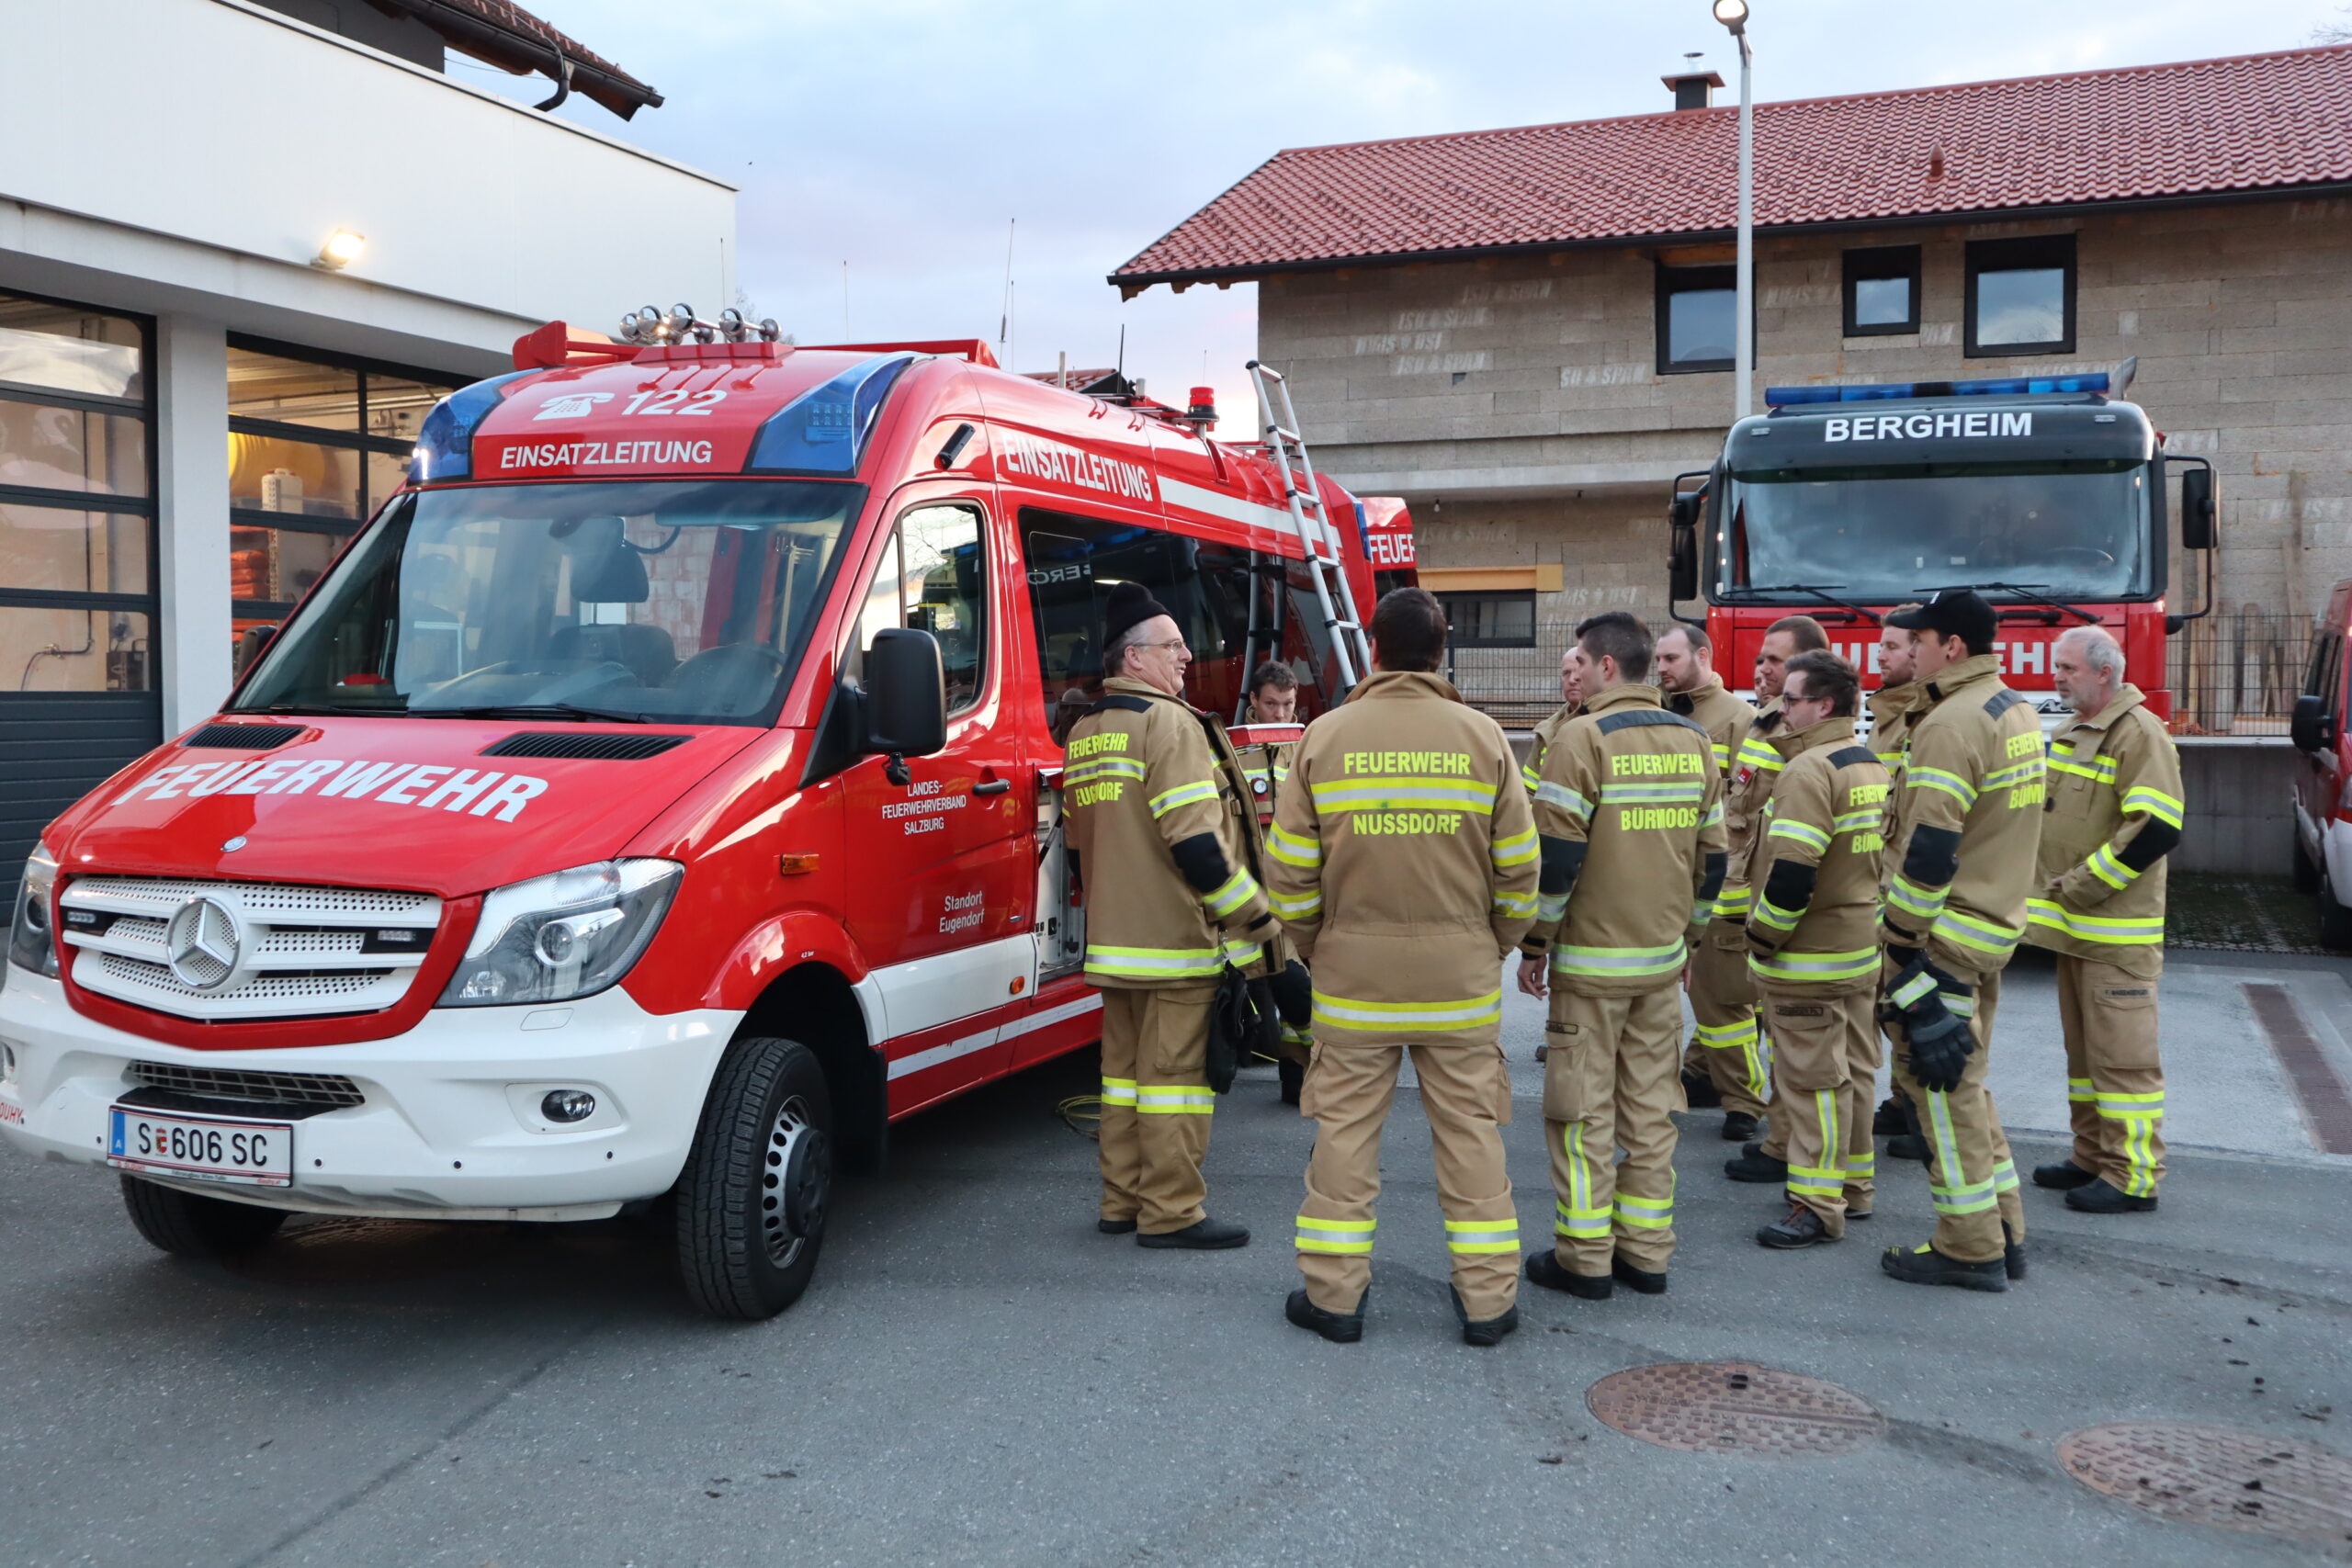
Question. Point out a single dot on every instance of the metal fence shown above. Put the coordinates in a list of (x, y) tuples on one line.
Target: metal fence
[(2230, 674)]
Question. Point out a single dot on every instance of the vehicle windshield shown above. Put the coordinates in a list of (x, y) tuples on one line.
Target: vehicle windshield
[(684, 601), (2073, 531)]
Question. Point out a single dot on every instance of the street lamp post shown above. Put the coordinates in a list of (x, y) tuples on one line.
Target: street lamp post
[(1733, 14)]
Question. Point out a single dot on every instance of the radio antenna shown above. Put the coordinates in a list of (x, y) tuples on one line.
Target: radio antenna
[(1004, 321), (1122, 371)]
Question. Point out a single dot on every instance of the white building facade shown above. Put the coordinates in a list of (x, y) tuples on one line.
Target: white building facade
[(194, 414)]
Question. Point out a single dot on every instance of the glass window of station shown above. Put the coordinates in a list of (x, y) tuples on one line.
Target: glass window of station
[(77, 591), (315, 446)]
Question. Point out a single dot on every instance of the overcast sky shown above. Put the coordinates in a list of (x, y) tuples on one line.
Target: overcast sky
[(900, 136)]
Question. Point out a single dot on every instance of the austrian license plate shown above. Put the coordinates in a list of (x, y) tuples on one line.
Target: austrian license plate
[(248, 1153)]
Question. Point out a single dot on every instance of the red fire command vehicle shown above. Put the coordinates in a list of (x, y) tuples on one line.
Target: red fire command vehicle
[(658, 797), (2044, 495)]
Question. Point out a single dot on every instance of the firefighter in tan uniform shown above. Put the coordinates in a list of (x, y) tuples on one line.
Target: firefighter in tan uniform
[(1265, 768), (1403, 863), (1893, 708), (1724, 1060), (1813, 939), (1165, 846), (2115, 811), (1630, 818), (1966, 827), (1531, 773)]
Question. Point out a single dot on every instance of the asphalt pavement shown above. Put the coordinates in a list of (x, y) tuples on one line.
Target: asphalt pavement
[(977, 1377)]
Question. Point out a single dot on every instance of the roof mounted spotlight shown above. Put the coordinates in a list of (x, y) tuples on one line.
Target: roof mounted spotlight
[(1733, 14), (731, 325), (679, 324), (342, 248), (769, 331)]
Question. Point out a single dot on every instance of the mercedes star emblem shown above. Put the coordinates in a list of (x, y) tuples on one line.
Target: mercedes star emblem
[(234, 845), (203, 943)]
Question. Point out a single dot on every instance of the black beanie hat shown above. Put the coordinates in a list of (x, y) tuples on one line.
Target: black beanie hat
[(1131, 604)]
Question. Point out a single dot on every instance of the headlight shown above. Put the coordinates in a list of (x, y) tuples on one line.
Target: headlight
[(570, 934), (31, 943)]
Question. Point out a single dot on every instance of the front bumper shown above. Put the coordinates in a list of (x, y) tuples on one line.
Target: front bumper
[(450, 1128)]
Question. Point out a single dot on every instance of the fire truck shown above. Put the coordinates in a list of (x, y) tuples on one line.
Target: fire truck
[(655, 801), (2045, 494)]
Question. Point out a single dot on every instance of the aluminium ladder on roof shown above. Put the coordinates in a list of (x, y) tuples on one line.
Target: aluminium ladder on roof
[(1316, 533)]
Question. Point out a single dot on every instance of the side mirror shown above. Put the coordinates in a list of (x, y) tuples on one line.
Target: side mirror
[(1682, 549), (2312, 728), (906, 696), (250, 647), (2200, 513)]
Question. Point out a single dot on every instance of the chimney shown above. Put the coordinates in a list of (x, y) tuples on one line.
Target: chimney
[(1692, 83)]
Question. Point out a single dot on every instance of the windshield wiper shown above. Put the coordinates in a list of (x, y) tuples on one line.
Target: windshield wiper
[(530, 710), (2032, 592), (1818, 590), (327, 707)]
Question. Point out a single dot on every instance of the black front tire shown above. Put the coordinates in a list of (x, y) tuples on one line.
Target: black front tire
[(753, 1199), (2306, 873), (187, 1225)]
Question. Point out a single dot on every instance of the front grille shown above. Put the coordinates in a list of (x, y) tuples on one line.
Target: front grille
[(589, 745), (231, 1083), (247, 737), (269, 949)]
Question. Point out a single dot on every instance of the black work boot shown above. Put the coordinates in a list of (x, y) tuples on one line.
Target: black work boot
[(2065, 1176), (1338, 1328), (1752, 1164), (1802, 1228), (2100, 1196), (1889, 1119), (1487, 1332), (1204, 1234), (1924, 1265), (2012, 1253), (1545, 1269), (1637, 1280), (1700, 1091), (1907, 1145), (1738, 1126), (1116, 1228), (1293, 1076)]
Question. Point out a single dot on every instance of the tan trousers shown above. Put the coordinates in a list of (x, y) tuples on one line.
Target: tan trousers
[(1972, 1180), (1825, 1071), (1611, 1082), (1155, 1105), (1726, 1046), (1466, 1094), (2115, 1084)]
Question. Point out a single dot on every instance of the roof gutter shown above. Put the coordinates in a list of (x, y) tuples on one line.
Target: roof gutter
[(622, 95), (1131, 284)]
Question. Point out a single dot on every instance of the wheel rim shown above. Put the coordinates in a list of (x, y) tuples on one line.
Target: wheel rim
[(795, 1180)]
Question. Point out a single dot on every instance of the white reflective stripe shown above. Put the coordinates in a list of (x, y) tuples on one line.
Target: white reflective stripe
[(1169, 800), (1292, 850), (1567, 800), (1175, 1099), (1373, 794), (1297, 907), (1686, 792), (1803, 832)]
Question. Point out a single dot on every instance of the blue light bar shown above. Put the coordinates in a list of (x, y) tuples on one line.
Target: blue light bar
[(1880, 392), (823, 430), (445, 443)]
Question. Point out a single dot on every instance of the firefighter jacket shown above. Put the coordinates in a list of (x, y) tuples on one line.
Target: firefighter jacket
[(1167, 843), (1893, 710), (1755, 769), (2114, 812), (1547, 728), (1814, 864), (1265, 768), (1967, 821), (1629, 819), (1402, 863), (1713, 709)]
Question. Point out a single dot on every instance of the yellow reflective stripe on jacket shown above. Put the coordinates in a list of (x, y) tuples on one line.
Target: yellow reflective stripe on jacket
[(1401, 792), (1174, 1099), (1292, 850), (2016, 773), (1550, 907), (1619, 963), (1566, 799), (1297, 906), (1482, 1235), (1404, 1017), (1529, 776), (1317, 1235), (1169, 800), (1153, 963), (1772, 916), (2098, 769), (1913, 900), (1236, 892), (1731, 903), (1714, 817), (1760, 753), (2094, 927), (1514, 906), (1722, 756), (1668, 792), (2109, 870), (1969, 930), (1816, 968), (1241, 955), (1859, 821), (2154, 802), (1095, 768), (1517, 849), (1799, 832), (1953, 784)]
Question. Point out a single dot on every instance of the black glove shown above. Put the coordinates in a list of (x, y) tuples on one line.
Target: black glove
[(1939, 1039), (1293, 995)]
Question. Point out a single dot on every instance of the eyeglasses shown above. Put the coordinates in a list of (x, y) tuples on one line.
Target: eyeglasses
[(1170, 643)]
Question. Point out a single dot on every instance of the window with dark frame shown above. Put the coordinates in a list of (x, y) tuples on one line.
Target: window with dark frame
[(1697, 318), (1490, 618), (1881, 290), (315, 445), (2021, 296), (77, 507)]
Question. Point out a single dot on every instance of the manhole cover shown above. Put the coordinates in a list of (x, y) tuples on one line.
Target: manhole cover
[(368, 1252), (2210, 1475), (1734, 1407)]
